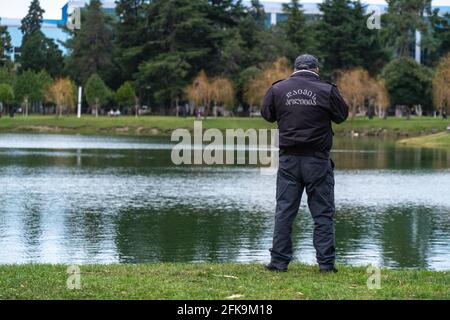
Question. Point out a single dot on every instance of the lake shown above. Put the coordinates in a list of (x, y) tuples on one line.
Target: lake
[(96, 199)]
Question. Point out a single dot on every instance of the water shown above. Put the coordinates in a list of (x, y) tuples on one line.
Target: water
[(87, 199)]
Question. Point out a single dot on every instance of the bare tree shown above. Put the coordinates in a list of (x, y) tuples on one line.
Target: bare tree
[(204, 90), (356, 86), (256, 88), (441, 80), (223, 92), (62, 93), (378, 96)]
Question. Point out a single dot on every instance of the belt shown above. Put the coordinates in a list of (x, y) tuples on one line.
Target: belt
[(297, 151)]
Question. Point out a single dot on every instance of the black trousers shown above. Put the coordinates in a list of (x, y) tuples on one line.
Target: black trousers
[(316, 175)]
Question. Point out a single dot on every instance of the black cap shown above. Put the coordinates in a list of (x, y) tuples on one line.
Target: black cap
[(305, 62)]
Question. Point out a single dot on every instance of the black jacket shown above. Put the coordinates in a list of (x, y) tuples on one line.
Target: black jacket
[(304, 106)]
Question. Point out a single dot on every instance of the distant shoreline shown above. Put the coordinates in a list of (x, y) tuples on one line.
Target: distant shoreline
[(164, 125)]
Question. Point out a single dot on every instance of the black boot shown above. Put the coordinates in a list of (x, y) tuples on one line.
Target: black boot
[(273, 268)]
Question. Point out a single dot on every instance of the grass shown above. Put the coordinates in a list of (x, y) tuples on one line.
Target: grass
[(216, 281), (163, 125), (438, 140)]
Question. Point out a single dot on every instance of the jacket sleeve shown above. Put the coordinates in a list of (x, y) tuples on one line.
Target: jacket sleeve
[(268, 111), (339, 108)]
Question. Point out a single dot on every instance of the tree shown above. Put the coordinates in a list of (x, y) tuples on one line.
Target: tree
[(97, 93), (295, 28), (28, 90), (131, 36), (359, 89), (5, 45), (440, 26), (180, 37), (45, 81), (408, 84), (6, 76), (6, 96), (126, 96), (355, 85), (223, 92), (441, 80), (343, 39), (380, 97), (62, 94), (33, 20), (256, 87), (39, 52), (201, 91), (91, 47), (403, 18)]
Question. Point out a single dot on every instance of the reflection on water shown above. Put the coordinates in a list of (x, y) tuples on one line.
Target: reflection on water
[(121, 200)]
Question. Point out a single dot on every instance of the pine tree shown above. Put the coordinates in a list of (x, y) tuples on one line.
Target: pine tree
[(344, 41), (91, 47), (295, 25), (41, 53), (403, 18), (440, 25), (180, 37), (131, 36), (5, 45), (33, 20)]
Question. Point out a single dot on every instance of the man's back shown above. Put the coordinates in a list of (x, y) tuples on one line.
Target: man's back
[(304, 106)]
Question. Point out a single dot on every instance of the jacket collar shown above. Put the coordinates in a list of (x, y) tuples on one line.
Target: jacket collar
[(305, 73)]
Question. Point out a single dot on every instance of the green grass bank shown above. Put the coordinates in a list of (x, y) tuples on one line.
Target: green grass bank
[(163, 125), (438, 140), (216, 281)]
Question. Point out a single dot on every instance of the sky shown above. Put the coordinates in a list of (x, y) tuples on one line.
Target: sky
[(19, 8)]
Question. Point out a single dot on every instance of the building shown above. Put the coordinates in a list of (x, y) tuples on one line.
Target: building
[(274, 14), (52, 28)]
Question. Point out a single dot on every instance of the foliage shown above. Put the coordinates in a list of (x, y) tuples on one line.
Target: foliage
[(39, 52), (6, 76), (62, 93), (296, 29), (126, 96), (91, 47), (32, 22), (204, 90), (97, 93), (27, 88), (181, 38), (6, 93), (131, 35), (358, 88), (344, 41), (403, 18), (257, 87), (441, 84), (223, 91), (440, 25), (408, 83), (5, 45)]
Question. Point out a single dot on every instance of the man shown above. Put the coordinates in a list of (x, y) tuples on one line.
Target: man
[(304, 107)]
